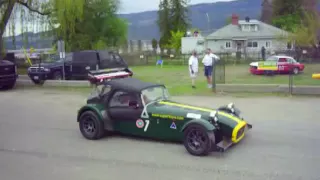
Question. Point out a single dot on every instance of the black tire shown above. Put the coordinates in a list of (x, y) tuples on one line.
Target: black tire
[(9, 86), (38, 82), (295, 71), (206, 142), (57, 75), (91, 126)]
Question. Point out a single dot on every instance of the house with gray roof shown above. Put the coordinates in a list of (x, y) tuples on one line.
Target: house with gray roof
[(248, 37)]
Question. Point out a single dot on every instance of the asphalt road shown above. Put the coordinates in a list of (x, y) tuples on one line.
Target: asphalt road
[(39, 139)]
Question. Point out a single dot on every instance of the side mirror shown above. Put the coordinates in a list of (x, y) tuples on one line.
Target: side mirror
[(133, 104)]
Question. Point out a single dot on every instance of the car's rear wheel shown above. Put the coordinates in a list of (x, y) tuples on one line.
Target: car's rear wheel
[(8, 86), (91, 126), (198, 141)]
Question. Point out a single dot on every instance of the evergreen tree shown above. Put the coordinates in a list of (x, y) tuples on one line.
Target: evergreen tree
[(179, 15), (172, 17), (287, 7), (154, 45), (164, 21)]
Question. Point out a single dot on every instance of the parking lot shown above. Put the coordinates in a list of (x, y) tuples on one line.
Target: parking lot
[(39, 139)]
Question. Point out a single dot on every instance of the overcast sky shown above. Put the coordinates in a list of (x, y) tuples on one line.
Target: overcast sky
[(131, 6)]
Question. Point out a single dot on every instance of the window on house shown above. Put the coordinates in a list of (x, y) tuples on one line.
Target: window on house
[(228, 44), (252, 44), (252, 27), (268, 44), (246, 27)]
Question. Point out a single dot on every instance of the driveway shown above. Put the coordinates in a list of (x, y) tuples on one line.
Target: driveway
[(39, 139)]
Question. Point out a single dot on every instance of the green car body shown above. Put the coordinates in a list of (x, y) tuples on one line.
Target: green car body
[(162, 119)]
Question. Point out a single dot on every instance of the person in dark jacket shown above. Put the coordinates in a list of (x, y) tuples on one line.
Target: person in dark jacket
[(263, 53)]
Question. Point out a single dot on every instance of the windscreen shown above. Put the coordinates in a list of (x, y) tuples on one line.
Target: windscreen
[(111, 60)]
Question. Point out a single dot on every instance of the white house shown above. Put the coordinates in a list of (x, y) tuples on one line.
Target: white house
[(189, 44), (247, 36), (193, 42)]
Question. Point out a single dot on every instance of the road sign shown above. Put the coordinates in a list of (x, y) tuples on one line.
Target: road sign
[(62, 53), (61, 48)]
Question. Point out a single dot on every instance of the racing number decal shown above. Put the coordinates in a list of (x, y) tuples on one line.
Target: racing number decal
[(146, 126), (140, 124)]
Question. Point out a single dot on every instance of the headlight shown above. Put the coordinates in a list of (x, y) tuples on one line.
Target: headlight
[(231, 107), (46, 70), (213, 114)]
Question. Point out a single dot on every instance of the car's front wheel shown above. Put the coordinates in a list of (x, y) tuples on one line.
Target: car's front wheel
[(57, 75), (198, 141), (295, 71), (91, 126)]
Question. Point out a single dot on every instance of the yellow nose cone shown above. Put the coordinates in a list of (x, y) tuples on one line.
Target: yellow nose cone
[(316, 76)]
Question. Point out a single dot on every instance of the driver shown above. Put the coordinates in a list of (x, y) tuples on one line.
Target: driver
[(145, 99)]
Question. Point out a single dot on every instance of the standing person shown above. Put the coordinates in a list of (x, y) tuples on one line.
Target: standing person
[(193, 68), (263, 53), (215, 57), (208, 62)]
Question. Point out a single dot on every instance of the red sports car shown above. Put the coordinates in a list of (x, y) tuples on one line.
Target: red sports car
[(276, 65)]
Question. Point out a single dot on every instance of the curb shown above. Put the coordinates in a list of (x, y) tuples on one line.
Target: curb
[(249, 88)]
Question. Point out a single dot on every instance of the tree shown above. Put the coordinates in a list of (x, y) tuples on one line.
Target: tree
[(287, 14), (163, 21), (285, 7), (303, 24), (179, 15), (7, 8), (175, 40), (154, 45), (65, 11), (163, 43), (99, 27), (228, 20), (306, 33), (289, 22), (83, 24), (172, 16)]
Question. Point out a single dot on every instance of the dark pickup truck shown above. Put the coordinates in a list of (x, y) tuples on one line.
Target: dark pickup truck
[(77, 65), (8, 74)]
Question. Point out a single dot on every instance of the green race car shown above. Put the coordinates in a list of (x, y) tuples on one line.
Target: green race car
[(132, 107)]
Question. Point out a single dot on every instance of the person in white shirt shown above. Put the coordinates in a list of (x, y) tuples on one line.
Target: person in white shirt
[(193, 68), (208, 62)]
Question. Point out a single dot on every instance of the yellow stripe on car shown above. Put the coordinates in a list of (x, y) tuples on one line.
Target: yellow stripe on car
[(202, 109)]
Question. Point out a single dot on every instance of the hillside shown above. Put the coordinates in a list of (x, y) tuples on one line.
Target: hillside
[(143, 25)]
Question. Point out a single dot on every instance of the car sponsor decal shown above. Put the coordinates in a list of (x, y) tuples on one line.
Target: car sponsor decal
[(272, 66), (139, 123), (167, 116), (194, 116), (173, 126), (201, 109)]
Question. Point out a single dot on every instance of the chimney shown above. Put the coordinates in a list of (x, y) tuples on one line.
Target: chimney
[(235, 19)]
